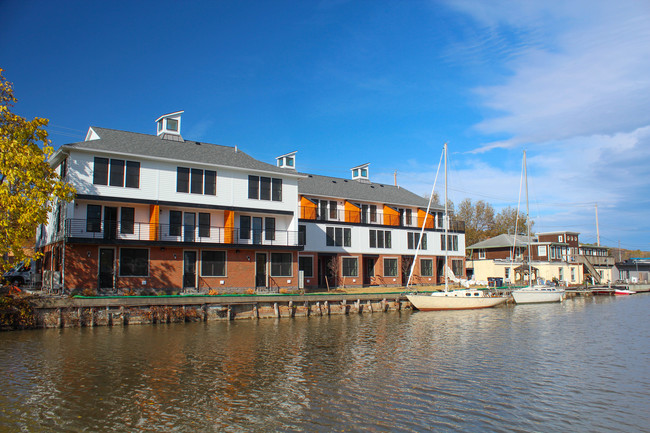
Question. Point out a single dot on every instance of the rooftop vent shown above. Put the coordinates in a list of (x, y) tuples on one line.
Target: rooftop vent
[(288, 160), (361, 173), (169, 126)]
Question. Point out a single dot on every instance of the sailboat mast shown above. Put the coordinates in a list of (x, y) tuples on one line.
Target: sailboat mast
[(446, 225), (530, 271)]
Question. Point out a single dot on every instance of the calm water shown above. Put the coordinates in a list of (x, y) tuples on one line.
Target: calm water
[(577, 366)]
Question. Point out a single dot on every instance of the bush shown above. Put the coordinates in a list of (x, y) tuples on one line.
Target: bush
[(16, 312)]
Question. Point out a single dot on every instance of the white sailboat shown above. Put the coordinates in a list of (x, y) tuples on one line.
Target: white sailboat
[(463, 299), (533, 294)]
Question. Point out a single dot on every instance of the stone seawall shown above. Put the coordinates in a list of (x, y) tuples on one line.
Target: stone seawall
[(123, 311)]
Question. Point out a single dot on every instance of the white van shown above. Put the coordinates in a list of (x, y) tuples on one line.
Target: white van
[(19, 274)]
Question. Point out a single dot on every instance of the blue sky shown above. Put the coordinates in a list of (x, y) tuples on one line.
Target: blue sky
[(385, 82)]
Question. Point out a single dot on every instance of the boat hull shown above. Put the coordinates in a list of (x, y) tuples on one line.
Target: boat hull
[(450, 301), (529, 295)]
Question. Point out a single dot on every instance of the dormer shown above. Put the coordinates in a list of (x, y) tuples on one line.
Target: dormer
[(288, 160), (361, 173), (169, 126)]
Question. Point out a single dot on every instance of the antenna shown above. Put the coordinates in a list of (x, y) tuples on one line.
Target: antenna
[(597, 231)]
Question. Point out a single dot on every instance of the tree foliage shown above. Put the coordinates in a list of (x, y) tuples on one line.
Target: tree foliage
[(29, 187), (482, 223)]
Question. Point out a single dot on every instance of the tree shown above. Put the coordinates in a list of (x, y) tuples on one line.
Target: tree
[(29, 187), (479, 220), (505, 220)]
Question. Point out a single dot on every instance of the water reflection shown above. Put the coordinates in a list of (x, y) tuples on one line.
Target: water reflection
[(579, 365)]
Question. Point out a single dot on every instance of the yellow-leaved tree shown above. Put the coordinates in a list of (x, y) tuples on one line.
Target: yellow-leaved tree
[(28, 185)]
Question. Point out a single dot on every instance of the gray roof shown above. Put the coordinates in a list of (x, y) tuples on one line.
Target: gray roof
[(362, 191), (501, 241), (137, 144)]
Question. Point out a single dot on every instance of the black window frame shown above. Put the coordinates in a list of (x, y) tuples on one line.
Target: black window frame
[(423, 268), (100, 171), (329, 236), (347, 237), (302, 260), (214, 266), (302, 234), (333, 205), (372, 238), (93, 220), (127, 220), (210, 182), (254, 187), (132, 174), (279, 263), (134, 264), (196, 181), (204, 224), (116, 172), (182, 179), (265, 188), (245, 229), (390, 268), (175, 222), (346, 270), (269, 228), (276, 189)]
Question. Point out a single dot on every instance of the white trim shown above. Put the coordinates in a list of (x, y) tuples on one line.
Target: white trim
[(225, 265)]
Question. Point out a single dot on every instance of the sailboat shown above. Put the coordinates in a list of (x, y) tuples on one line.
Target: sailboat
[(462, 299), (533, 294)]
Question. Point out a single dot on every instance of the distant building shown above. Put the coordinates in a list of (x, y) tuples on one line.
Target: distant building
[(555, 256), (634, 270)]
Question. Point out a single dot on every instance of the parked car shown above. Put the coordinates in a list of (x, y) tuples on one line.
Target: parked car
[(19, 274)]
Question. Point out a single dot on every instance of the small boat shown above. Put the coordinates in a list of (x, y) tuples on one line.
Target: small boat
[(534, 294), (462, 299), (623, 291)]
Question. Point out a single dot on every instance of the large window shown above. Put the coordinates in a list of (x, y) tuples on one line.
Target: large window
[(204, 225), (306, 264), (414, 238), (132, 174), (338, 237), (390, 267), (264, 188), (175, 220), (116, 173), (213, 263), (451, 244), (127, 220), (333, 210), (100, 171), (244, 227), (196, 181), (134, 262), (281, 264), (269, 229), (93, 218), (350, 266), (426, 267), (380, 239)]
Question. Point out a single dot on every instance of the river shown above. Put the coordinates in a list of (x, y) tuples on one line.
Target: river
[(577, 366)]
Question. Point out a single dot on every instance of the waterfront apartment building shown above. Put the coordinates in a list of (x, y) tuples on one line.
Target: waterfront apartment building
[(555, 256), (163, 212)]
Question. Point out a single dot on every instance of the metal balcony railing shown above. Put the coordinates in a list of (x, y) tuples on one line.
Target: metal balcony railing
[(109, 230)]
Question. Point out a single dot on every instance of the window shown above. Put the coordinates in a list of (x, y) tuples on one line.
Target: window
[(175, 219), (160, 125), (559, 238), (347, 237), (116, 172), (254, 187), (541, 250), (457, 268), (350, 266), (244, 227), (213, 263), (172, 125), (322, 206), (452, 242), (306, 264), (561, 274), (373, 213), (210, 187), (302, 235), (338, 237), (507, 273), (281, 264), (100, 171), (573, 274), (127, 220), (481, 254), (182, 179), (276, 189), (426, 267), (265, 188), (93, 218), (333, 210), (329, 236), (408, 217), (134, 262), (204, 225), (196, 183), (380, 239), (364, 172), (132, 174), (413, 239), (390, 267), (269, 229)]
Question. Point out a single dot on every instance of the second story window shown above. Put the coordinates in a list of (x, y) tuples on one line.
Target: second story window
[(112, 172), (380, 239), (414, 238), (264, 188), (196, 181), (338, 237)]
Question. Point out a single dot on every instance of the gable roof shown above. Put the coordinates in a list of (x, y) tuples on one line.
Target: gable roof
[(352, 190), (137, 144), (502, 241)]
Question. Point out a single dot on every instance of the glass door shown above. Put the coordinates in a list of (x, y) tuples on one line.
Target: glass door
[(189, 269), (106, 268), (260, 270), (189, 226)]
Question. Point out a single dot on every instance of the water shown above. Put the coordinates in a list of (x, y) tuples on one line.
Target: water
[(576, 366)]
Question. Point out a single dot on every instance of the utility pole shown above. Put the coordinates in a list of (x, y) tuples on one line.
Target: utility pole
[(597, 231), (395, 177)]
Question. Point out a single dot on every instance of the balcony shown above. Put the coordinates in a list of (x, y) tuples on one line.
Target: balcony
[(168, 233)]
